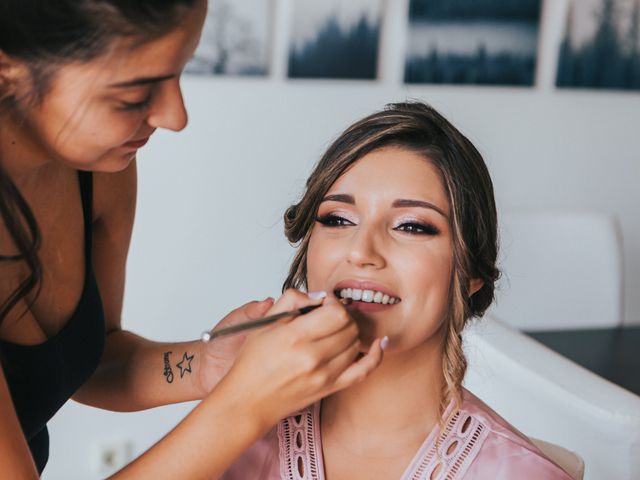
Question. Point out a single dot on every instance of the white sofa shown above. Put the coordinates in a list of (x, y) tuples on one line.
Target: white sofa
[(547, 396)]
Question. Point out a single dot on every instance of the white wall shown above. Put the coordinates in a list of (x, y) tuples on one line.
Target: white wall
[(208, 234)]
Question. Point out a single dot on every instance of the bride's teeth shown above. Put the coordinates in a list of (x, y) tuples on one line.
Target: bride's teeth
[(368, 296)]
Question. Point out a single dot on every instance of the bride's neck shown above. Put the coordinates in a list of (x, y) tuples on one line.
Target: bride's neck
[(400, 399)]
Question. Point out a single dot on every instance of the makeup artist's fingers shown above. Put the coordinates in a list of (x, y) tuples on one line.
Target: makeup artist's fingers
[(310, 355), (330, 346), (335, 366), (327, 358), (327, 320), (361, 369), (293, 299)]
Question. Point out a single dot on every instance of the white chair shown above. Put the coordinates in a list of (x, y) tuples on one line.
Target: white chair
[(560, 271), (547, 396)]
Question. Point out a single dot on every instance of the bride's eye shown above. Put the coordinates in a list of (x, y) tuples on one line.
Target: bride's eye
[(417, 228), (333, 220)]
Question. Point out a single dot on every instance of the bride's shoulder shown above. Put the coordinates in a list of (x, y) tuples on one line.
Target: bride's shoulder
[(495, 447)]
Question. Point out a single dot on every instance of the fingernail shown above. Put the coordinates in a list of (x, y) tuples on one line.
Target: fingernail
[(384, 343), (268, 299), (317, 295)]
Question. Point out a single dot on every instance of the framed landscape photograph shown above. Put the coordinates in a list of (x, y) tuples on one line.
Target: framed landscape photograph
[(482, 42), (235, 40), (601, 45), (335, 39)]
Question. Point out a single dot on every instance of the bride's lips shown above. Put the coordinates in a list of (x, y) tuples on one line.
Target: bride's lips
[(368, 307)]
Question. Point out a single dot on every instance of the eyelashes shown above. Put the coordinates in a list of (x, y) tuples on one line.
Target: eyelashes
[(411, 227), (333, 220), (417, 228), (140, 105), (128, 106)]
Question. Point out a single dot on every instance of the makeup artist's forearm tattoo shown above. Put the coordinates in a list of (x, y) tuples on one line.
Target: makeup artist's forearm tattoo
[(168, 373), (185, 364)]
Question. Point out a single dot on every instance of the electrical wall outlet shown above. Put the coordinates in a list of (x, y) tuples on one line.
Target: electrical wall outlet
[(111, 455)]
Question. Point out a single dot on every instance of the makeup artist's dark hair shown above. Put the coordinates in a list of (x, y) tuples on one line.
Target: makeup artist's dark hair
[(44, 36), (419, 128), (23, 231)]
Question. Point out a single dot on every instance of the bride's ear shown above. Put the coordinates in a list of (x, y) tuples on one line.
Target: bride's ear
[(475, 285)]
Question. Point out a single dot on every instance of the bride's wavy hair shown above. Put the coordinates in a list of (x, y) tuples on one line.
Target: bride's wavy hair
[(44, 36), (419, 128)]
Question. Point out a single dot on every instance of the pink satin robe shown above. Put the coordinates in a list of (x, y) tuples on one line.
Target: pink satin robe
[(487, 448)]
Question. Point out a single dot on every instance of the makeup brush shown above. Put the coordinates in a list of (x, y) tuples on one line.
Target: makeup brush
[(260, 322)]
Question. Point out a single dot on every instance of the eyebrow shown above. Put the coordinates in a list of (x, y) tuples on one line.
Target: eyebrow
[(399, 203), (340, 197), (405, 202), (138, 82)]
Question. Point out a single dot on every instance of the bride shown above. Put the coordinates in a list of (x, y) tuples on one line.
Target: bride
[(399, 216)]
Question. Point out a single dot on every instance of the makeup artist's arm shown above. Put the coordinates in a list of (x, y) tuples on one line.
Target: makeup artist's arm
[(136, 373), (315, 356)]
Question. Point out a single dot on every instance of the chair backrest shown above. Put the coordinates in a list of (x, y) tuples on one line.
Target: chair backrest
[(560, 271), (569, 461), (545, 395)]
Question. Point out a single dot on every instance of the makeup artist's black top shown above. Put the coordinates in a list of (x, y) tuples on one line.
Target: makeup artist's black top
[(43, 377)]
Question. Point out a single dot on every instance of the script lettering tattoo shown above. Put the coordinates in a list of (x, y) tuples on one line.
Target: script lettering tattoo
[(168, 373), (185, 364)]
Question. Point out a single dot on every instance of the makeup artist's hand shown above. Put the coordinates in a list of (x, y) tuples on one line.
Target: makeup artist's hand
[(217, 357), (290, 365)]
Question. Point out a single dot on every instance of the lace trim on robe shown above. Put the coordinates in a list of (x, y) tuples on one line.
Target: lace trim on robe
[(456, 449), (297, 448)]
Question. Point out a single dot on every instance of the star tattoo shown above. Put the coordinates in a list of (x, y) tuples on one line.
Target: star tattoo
[(185, 364)]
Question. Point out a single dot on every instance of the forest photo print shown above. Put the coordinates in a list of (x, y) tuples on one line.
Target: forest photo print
[(481, 42), (335, 39)]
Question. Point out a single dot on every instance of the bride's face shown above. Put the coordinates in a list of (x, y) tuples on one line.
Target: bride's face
[(382, 237)]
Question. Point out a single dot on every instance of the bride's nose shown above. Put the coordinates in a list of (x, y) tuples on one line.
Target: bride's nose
[(365, 250)]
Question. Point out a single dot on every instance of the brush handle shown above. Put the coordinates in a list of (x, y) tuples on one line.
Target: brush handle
[(250, 325), (260, 322)]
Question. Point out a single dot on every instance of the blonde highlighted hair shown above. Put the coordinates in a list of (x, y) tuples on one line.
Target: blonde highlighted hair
[(419, 128)]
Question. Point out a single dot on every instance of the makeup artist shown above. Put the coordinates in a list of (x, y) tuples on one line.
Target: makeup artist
[(83, 85)]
